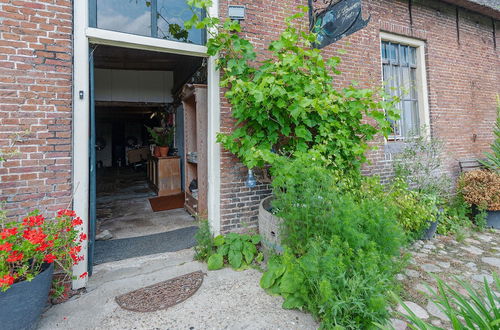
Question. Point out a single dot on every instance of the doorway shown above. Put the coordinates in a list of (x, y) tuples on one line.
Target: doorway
[(140, 192)]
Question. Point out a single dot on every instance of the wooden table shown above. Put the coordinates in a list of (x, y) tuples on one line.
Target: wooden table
[(164, 175)]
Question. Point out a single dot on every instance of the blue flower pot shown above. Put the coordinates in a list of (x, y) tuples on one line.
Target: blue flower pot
[(493, 219), (23, 303)]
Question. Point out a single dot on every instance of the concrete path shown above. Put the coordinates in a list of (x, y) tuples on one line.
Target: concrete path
[(226, 300)]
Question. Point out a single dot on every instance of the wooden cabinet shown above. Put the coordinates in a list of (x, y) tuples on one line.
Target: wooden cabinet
[(164, 175), (194, 101)]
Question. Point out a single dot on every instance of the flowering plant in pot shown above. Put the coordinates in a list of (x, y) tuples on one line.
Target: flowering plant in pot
[(481, 188), (162, 138), (28, 251)]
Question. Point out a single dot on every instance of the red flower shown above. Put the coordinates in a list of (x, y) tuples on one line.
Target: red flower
[(8, 232), (68, 213), (15, 256), (36, 220), (6, 280), (35, 236), (44, 245), (83, 237), (83, 275), (50, 258), (77, 221), (6, 246)]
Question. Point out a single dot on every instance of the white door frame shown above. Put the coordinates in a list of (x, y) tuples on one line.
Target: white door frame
[(83, 35)]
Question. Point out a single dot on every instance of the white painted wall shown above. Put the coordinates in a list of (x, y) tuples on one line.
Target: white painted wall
[(133, 86)]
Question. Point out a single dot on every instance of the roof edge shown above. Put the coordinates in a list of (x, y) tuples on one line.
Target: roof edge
[(477, 7)]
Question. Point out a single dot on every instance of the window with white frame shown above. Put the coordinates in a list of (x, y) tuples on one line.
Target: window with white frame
[(404, 76)]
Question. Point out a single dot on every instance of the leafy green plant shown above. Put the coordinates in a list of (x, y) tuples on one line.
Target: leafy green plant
[(415, 210), (287, 102), (474, 309), (238, 250), (492, 161), (455, 217), (340, 243), (163, 137), (204, 241), (420, 166)]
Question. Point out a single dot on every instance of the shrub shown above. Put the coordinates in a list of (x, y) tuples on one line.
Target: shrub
[(481, 188), (467, 308), (237, 250), (340, 245), (415, 210), (420, 166)]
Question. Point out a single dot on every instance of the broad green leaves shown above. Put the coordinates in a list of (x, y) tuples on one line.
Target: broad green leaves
[(238, 250)]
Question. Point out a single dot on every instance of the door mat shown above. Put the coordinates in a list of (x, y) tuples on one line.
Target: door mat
[(124, 248), (164, 203), (161, 295)]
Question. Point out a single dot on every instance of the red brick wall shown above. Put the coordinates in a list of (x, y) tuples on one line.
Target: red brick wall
[(463, 79), (35, 96)]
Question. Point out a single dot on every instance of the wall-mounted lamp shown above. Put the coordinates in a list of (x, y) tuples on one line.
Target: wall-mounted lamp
[(236, 12), (251, 182)]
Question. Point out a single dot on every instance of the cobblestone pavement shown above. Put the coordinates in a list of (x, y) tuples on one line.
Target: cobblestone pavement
[(472, 259)]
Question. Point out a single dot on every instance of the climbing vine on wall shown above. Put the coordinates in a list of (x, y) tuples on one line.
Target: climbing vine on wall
[(287, 103)]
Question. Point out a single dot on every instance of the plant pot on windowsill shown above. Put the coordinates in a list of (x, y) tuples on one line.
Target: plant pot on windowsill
[(269, 227), (23, 303)]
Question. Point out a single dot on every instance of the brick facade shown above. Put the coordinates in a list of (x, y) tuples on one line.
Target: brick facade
[(463, 77), (35, 96)]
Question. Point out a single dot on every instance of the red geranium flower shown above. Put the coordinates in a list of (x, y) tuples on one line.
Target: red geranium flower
[(15, 256), (35, 236), (68, 213), (83, 237), (35, 220), (7, 232), (77, 221), (50, 258), (6, 280), (6, 246)]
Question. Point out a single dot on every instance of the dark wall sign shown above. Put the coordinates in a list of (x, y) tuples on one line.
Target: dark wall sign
[(335, 19)]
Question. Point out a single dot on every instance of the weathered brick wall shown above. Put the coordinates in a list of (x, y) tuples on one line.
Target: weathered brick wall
[(35, 96), (463, 79)]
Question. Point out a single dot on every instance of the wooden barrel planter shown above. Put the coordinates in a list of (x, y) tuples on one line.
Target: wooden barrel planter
[(269, 227)]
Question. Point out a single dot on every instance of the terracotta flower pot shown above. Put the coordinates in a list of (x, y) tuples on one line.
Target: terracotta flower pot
[(156, 151), (163, 151)]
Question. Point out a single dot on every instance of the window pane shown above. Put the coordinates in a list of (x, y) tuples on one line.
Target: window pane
[(413, 56), (130, 16), (171, 15)]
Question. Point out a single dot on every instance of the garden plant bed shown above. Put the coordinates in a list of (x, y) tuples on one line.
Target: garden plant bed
[(472, 259)]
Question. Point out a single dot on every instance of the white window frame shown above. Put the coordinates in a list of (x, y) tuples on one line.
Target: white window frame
[(423, 96), (83, 36)]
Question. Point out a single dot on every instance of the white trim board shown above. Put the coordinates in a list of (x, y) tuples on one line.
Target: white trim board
[(120, 39), (423, 95)]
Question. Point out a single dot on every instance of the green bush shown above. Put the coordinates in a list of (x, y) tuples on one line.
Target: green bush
[(237, 250), (340, 246)]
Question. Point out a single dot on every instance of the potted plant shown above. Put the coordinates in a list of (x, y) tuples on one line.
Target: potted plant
[(28, 252), (481, 188), (162, 138)]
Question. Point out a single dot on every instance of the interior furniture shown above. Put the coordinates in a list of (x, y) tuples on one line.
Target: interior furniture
[(164, 175), (194, 101)]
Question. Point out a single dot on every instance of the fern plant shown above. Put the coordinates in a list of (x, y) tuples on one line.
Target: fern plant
[(492, 161)]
